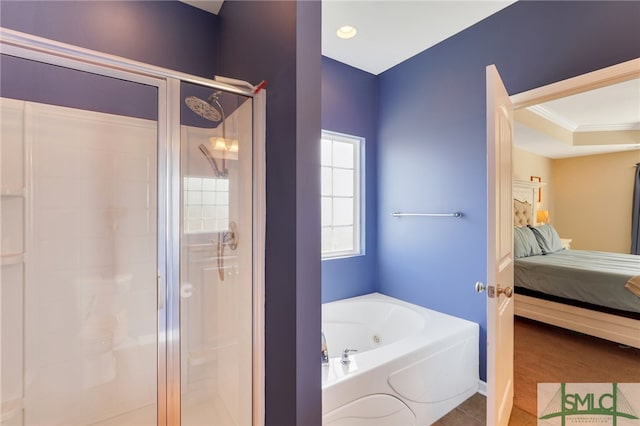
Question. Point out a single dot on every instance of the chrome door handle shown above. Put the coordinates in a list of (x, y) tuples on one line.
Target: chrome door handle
[(480, 287)]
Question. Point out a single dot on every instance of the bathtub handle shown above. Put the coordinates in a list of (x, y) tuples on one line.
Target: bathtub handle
[(345, 356)]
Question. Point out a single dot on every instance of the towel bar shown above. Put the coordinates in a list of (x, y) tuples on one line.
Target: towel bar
[(455, 214)]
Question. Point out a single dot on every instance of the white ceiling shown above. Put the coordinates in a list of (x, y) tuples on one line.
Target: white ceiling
[(390, 32), (608, 109)]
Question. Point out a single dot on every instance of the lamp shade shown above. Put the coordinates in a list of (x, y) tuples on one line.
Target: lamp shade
[(542, 216)]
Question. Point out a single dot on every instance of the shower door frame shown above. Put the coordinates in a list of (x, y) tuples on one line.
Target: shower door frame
[(167, 82)]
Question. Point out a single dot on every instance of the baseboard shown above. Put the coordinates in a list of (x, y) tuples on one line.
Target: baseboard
[(482, 387)]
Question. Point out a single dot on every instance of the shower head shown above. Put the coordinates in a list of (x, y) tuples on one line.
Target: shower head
[(206, 109)]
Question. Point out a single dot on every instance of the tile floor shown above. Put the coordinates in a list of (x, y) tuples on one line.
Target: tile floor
[(472, 412)]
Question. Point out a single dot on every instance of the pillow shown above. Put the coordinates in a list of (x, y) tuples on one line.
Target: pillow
[(548, 238), (525, 243)]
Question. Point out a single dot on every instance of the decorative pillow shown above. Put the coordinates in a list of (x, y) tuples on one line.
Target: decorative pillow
[(548, 238), (525, 243)]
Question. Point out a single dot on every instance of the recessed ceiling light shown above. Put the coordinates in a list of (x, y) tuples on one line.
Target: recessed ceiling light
[(346, 31)]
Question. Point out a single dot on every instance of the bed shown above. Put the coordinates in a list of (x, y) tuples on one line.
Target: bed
[(592, 292)]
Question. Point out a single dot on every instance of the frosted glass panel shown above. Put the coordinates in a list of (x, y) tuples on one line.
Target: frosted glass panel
[(343, 182), (326, 237), (325, 153), (342, 211), (195, 212), (342, 154), (193, 183), (208, 198), (326, 178), (343, 238), (327, 211)]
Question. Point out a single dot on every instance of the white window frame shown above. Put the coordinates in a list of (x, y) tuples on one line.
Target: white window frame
[(358, 195)]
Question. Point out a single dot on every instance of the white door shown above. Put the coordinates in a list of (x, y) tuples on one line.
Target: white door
[(499, 252)]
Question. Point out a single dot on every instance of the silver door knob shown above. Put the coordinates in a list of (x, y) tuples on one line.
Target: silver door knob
[(480, 287)]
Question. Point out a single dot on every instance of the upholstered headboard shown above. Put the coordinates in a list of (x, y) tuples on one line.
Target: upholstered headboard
[(522, 213), (525, 206)]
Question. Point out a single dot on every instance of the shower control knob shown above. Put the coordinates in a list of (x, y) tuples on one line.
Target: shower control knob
[(480, 287)]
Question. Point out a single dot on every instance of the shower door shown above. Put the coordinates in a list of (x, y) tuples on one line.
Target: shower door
[(216, 257), (130, 289), (79, 155)]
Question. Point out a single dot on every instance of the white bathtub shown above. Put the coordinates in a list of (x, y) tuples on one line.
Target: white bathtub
[(413, 364)]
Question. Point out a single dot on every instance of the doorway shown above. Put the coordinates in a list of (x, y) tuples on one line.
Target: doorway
[(562, 322)]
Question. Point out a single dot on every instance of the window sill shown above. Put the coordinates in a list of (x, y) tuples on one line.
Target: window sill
[(342, 256)]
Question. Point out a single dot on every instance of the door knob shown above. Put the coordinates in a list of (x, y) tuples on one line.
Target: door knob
[(493, 291), (507, 291)]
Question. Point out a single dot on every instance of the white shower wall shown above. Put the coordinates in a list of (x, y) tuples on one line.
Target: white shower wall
[(12, 183), (88, 336), (79, 296)]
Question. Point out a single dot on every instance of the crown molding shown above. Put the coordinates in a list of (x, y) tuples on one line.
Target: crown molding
[(553, 117), (620, 127), (573, 127)]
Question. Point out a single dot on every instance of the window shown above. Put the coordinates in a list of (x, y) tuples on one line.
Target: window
[(206, 204), (340, 191)]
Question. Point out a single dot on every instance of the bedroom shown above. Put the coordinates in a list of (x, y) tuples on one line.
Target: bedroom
[(551, 158), (585, 187), (586, 194)]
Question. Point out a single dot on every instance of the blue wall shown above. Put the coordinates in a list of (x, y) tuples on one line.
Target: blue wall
[(432, 138), (350, 105), (164, 33), (49, 84), (279, 41)]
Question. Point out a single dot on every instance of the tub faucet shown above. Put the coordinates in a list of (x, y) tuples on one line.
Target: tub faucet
[(345, 356), (324, 353)]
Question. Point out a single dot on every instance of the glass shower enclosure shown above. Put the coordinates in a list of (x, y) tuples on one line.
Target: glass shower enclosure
[(130, 289)]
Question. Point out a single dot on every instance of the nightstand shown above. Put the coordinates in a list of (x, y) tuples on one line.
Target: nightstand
[(566, 243)]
